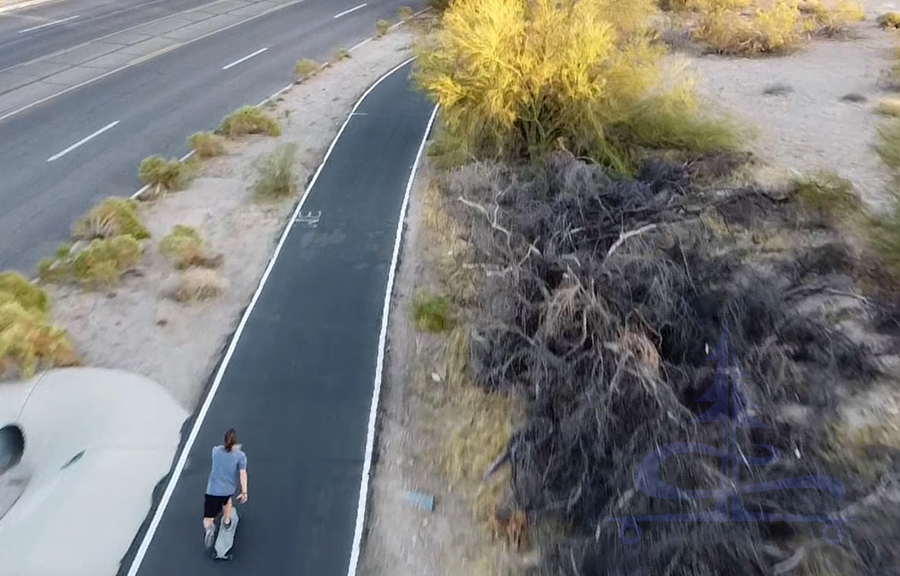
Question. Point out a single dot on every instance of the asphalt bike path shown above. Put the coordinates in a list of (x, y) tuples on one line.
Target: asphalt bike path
[(149, 109), (300, 380)]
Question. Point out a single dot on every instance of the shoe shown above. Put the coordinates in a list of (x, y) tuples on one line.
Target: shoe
[(208, 538)]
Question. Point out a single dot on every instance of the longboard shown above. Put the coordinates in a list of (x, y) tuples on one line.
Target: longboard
[(225, 537)]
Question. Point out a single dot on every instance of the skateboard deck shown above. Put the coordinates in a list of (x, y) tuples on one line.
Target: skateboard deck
[(225, 538)]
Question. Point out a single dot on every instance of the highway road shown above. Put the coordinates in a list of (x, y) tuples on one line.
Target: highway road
[(48, 28), (299, 380), (151, 108)]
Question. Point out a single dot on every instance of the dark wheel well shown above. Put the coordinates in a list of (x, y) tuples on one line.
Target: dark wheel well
[(12, 446)]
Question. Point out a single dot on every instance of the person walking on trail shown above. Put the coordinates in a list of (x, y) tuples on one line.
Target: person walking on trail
[(229, 470)]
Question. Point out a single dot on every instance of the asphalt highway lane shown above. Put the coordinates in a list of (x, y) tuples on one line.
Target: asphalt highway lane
[(60, 157)]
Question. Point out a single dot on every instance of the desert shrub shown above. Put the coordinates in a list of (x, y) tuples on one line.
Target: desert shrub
[(741, 27), (103, 261), (889, 107), (277, 178), (519, 79), (207, 144), (306, 67), (342, 54), (890, 20), (888, 145), (432, 313), (439, 5), (829, 20), (405, 12), (165, 175), (827, 196), (112, 217), (27, 340), (381, 28), (14, 287), (772, 29), (185, 248), (249, 120), (196, 284)]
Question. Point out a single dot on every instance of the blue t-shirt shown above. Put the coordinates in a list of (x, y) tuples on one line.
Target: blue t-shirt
[(224, 478)]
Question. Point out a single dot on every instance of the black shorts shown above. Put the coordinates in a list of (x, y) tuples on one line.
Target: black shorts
[(212, 505)]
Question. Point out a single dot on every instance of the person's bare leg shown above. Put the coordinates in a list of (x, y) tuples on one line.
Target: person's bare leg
[(226, 513)]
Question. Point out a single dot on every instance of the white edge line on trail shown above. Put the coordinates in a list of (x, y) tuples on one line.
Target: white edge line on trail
[(379, 363), (48, 24), (201, 415)]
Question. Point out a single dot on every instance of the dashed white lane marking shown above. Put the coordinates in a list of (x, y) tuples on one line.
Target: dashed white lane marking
[(48, 24), (84, 140), (354, 9), (245, 58)]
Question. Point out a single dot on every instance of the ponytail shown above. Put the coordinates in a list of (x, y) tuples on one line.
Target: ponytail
[(230, 439)]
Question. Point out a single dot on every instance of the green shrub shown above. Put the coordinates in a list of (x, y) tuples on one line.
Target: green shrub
[(14, 287), (276, 177), (249, 120), (112, 217), (207, 144), (165, 175), (432, 313), (103, 261), (185, 248), (27, 340), (306, 67), (828, 194)]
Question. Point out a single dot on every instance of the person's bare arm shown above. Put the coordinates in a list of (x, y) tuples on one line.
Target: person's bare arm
[(243, 496)]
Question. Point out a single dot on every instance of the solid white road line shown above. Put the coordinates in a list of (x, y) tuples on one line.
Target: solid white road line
[(345, 12), (217, 381), (82, 141), (54, 23), (379, 362), (245, 58)]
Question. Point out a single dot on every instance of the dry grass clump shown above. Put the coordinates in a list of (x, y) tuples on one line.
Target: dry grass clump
[(112, 217), (27, 339), (405, 12), (207, 144), (104, 261), (517, 79), (197, 284), (829, 196), (185, 248), (342, 54), (889, 107), (277, 175), (602, 304), (381, 28), (889, 20), (752, 28), (165, 175), (14, 287), (249, 120), (306, 67)]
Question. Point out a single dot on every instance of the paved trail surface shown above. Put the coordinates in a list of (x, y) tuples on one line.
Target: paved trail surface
[(297, 383)]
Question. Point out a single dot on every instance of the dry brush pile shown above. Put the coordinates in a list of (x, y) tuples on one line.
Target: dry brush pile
[(600, 298), (591, 190)]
